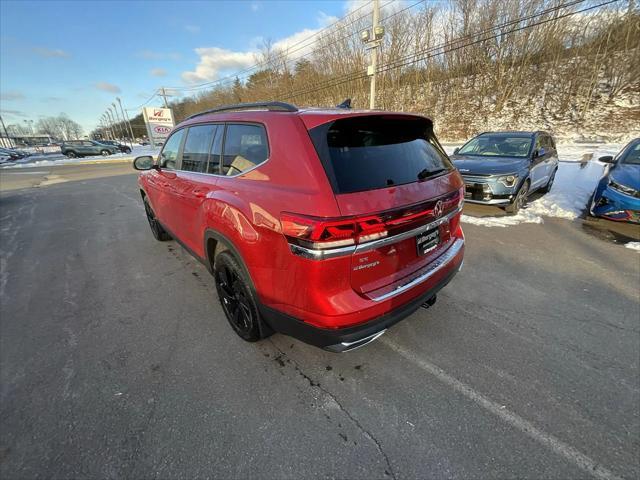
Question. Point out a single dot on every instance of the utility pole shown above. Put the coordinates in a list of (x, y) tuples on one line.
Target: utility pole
[(106, 128), (122, 126), (372, 40), (116, 122), (374, 55), (111, 123), (126, 117), (164, 96)]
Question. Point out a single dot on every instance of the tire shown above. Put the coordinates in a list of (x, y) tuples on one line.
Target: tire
[(71, 154), (159, 233), (127, 150), (547, 187), (236, 298), (520, 200), (105, 153)]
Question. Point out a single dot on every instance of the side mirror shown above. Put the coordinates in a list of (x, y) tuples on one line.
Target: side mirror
[(143, 163), (606, 159), (456, 150)]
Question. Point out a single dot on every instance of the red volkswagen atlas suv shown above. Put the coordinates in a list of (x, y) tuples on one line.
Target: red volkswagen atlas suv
[(328, 225)]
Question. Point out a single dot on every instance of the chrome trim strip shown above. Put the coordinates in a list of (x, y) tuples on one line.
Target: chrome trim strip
[(372, 245), (348, 346), (313, 254), (321, 254), (433, 268)]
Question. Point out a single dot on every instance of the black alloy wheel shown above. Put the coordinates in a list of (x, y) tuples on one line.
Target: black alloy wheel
[(159, 233), (236, 298), (71, 154)]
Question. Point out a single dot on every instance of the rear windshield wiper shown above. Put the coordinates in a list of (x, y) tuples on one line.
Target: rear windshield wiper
[(423, 174)]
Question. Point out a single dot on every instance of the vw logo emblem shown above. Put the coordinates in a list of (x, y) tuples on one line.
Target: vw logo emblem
[(437, 210)]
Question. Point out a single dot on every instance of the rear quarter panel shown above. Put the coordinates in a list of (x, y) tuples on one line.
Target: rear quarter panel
[(246, 209)]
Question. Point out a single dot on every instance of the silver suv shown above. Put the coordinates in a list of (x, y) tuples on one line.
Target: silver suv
[(83, 148)]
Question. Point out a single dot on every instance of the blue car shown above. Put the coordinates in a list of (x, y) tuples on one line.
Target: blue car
[(617, 196), (503, 168)]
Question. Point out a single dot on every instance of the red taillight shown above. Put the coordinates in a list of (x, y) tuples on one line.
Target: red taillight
[(321, 233)]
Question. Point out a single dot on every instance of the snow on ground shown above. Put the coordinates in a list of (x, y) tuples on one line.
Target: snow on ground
[(52, 160), (633, 246), (577, 177), (578, 152)]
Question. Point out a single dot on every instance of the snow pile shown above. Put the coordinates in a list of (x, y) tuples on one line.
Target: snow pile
[(633, 246), (523, 216), (571, 191)]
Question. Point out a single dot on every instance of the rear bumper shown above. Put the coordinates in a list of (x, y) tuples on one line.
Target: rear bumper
[(348, 338)]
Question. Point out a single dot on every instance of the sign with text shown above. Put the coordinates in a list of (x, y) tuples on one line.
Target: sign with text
[(159, 122)]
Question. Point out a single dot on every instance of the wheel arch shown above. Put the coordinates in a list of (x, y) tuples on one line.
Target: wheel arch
[(212, 240)]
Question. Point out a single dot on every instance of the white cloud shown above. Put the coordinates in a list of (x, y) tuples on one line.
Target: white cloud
[(158, 72), (214, 60), (255, 6), (50, 53), (192, 28), (11, 96), (361, 5), (108, 87), (299, 43)]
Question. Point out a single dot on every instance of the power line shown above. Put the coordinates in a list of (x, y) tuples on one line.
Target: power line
[(258, 65), (503, 25), (356, 75), (302, 44), (143, 104), (325, 47)]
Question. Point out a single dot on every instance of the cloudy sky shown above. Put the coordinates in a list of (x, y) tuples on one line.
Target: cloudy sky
[(77, 57)]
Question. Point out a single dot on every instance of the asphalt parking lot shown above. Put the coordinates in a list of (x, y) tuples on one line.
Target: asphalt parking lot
[(117, 361)]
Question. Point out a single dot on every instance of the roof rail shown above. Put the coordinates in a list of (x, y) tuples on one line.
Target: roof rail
[(271, 106)]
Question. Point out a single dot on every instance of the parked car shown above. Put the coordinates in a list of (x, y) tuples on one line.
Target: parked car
[(121, 146), (326, 225), (83, 148), (13, 154), (503, 168), (617, 196)]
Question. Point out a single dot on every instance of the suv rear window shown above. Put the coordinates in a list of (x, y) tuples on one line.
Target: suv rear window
[(371, 152)]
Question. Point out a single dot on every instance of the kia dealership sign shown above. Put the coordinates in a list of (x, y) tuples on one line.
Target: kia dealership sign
[(159, 122)]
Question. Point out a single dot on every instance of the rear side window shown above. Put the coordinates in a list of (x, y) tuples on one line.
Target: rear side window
[(195, 153), (245, 146), (371, 152)]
